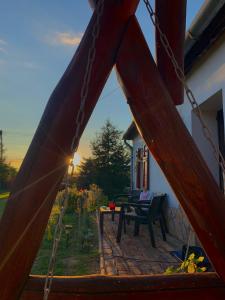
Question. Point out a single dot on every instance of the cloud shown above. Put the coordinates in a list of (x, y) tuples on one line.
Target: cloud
[(65, 38), (69, 39), (2, 62), (2, 42)]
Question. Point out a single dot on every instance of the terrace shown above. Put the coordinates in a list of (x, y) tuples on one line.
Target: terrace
[(134, 255)]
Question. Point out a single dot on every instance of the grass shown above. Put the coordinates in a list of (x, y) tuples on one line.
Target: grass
[(3, 198), (77, 253), (2, 206), (78, 250)]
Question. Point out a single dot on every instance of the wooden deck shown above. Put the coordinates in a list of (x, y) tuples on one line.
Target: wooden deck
[(135, 255)]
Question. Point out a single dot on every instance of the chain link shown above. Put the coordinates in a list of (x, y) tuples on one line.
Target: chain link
[(57, 236), (75, 142), (87, 76), (189, 93)]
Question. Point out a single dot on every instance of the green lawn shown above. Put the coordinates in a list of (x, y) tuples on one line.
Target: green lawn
[(2, 206), (77, 255)]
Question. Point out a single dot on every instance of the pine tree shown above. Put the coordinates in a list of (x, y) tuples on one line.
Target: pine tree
[(111, 160), (86, 174)]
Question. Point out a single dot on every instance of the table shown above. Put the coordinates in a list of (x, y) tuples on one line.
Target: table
[(107, 210)]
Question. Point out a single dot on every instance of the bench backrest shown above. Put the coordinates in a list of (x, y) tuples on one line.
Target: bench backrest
[(155, 209)]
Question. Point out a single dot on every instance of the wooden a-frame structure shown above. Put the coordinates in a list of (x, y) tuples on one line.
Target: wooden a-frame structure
[(151, 91)]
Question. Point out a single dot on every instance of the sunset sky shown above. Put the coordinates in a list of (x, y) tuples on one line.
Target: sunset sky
[(37, 41)]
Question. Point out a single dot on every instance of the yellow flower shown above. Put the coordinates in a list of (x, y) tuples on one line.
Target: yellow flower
[(191, 267), (201, 258), (191, 256), (184, 264), (203, 269), (169, 270)]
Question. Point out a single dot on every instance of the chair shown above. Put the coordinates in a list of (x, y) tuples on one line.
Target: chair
[(147, 214), (131, 197)]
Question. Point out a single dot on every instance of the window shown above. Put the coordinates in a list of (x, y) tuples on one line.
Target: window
[(142, 168)]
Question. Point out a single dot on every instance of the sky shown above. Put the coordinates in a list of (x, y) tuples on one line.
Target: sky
[(37, 41)]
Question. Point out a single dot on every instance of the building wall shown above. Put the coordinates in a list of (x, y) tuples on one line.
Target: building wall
[(209, 109), (207, 81)]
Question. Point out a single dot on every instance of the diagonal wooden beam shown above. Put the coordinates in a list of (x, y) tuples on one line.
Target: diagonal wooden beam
[(172, 19), (171, 144), (22, 225), (169, 16)]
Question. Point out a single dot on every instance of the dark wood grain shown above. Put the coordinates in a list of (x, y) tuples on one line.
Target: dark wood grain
[(174, 287), (172, 20)]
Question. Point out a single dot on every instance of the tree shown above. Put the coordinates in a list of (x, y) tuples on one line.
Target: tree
[(87, 173), (111, 160), (7, 173), (109, 165)]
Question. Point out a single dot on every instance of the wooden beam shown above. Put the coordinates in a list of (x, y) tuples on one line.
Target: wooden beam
[(172, 20), (160, 287), (171, 144), (169, 16), (23, 224)]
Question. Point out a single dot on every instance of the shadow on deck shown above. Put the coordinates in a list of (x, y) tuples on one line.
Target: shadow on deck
[(134, 255)]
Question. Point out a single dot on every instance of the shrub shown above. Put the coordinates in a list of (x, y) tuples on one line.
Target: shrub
[(95, 198), (190, 265), (71, 196), (52, 220)]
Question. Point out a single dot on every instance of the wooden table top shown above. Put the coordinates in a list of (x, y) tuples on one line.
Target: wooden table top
[(106, 210)]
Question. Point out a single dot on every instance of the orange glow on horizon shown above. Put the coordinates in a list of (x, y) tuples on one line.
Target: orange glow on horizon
[(76, 159), (16, 163)]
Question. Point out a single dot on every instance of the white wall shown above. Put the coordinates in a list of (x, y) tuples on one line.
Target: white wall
[(206, 80), (209, 109), (159, 183)]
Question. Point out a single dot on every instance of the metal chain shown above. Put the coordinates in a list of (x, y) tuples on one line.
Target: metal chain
[(57, 236), (189, 93), (75, 142), (87, 76)]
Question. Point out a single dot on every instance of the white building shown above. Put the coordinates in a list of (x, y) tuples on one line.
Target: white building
[(205, 75)]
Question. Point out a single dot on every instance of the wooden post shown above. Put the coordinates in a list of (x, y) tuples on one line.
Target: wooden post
[(171, 144), (172, 19), (23, 223)]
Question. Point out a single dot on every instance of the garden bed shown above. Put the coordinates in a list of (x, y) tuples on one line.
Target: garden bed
[(78, 250)]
